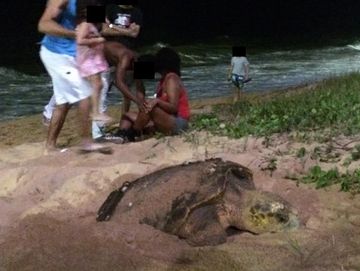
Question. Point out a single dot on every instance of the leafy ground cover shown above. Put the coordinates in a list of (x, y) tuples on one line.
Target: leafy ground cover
[(349, 182), (329, 109), (333, 104)]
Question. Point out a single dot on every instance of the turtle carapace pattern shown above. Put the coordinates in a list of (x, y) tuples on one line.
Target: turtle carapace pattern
[(201, 201)]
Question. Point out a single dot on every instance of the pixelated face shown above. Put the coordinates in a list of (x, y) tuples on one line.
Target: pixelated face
[(238, 51), (144, 69), (95, 14)]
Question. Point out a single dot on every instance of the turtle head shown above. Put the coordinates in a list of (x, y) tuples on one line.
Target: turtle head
[(265, 212)]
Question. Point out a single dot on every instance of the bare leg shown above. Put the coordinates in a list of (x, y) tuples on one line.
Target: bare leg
[(237, 94), (84, 113), (56, 123), (141, 121), (98, 125), (127, 120), (86, 141), (96, 83), (163, 121), (125, 105)]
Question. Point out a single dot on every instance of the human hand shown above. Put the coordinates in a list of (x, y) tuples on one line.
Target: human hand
[(133, 26), (93, 35), (142, 107), (133, 30), (97, 43), (150, 104)]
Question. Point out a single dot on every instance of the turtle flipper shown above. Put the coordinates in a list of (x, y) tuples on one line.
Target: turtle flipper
[(108, 207), (203, 228)]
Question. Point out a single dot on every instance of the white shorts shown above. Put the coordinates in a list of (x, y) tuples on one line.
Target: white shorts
[(69, 86)]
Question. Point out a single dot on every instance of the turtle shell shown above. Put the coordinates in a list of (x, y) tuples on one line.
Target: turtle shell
[(164, 199)]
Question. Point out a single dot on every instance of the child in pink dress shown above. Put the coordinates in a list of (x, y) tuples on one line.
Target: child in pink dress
[(91, 62)]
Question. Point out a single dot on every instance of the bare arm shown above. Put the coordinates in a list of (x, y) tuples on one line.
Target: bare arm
[(83, 38), (47, 23), (132, 31), (135, 30), (120, 80), (172, 88), (140, 90)]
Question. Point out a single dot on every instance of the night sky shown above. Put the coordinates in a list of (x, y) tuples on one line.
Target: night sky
[(270, 22)]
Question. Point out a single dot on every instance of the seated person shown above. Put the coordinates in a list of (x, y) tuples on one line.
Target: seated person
[(169, 112)]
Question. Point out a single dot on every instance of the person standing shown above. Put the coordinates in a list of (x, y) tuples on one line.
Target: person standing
[(239, 70), (121, 31), (124, 21), (121, 34), (57, 52), (91, 59)]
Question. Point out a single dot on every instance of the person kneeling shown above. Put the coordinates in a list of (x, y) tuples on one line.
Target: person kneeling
[(169, 112)]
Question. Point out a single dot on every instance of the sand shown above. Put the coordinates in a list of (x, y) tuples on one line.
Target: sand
[(48, 206)]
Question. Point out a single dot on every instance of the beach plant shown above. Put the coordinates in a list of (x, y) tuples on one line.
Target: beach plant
[(321, 178), (206, 121), (355, 154), (296, 247), (301, 152), (349, 182), (347, 162), (270, 164), (333, 105)]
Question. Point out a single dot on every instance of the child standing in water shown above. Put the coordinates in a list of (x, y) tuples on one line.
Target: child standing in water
[(239, 70), (91, 60)]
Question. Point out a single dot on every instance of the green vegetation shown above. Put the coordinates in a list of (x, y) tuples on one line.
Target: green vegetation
[(334, 105), (301, 152), (327, 110), (355, 154), (349, 182)]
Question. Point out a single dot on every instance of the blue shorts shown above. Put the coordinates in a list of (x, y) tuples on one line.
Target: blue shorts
[(181, 125), (237, 80)]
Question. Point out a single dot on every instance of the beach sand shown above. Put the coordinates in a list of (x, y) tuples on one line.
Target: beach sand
[(48, 205), (30, 129)]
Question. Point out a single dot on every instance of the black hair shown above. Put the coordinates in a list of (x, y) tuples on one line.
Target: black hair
[(167, 60)]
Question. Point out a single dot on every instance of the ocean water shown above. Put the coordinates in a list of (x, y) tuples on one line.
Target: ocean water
[(204, 75)]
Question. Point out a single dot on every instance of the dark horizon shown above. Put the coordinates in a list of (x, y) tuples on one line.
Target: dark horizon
[(265, 23)]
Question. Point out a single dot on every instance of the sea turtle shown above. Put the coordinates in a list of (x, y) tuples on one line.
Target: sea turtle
[(203, 201)]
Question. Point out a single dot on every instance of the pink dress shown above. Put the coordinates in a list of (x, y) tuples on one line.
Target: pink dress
[(91, 60)]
